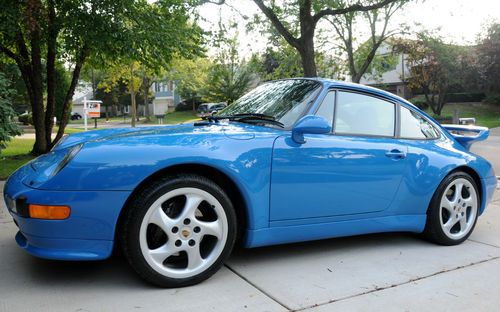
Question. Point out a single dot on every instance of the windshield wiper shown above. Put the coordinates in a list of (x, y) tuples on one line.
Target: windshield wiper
[(246, 117)]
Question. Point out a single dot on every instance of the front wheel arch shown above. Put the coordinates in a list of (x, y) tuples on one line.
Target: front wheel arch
[(220, 178)]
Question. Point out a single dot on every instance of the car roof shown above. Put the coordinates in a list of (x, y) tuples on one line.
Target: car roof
[(332, 83)]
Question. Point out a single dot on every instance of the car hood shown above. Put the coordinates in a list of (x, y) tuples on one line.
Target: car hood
[(231, 130)]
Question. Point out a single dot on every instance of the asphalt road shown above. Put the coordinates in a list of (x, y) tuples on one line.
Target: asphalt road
[(389, 272)]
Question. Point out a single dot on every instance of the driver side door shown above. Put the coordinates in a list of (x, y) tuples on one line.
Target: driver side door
[(354, 170)]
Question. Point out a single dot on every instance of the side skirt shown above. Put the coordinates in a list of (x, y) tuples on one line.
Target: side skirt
[(308, 232)]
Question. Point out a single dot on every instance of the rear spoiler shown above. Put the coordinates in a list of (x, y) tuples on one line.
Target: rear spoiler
[(467, 135)]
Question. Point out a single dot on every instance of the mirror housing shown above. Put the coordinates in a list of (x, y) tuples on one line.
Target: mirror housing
[(309, 124)]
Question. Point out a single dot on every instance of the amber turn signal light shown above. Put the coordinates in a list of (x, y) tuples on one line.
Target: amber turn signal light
[(49, 212)]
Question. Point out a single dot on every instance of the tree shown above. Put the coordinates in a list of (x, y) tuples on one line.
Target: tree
[(434, 67), (360, 58), (37, 32), (8, 128), (306, 14), (129, 74), (489, 59), (191, 76), (229, 77)]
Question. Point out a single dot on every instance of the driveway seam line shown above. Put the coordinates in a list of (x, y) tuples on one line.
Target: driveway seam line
[(397, 285), (487, 244), (258, 288)]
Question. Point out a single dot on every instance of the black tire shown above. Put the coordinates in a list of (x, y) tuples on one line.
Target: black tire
[(136, 211), (433, 230)]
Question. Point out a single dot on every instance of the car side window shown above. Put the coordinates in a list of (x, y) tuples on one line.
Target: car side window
[(360, 114), (414, 126), (325, 110)]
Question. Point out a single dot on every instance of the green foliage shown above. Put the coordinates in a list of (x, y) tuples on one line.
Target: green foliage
[(8, 128), (42, 33), (283, 61), (493, 98), (63, 80), (191, 76), (489, 59), (434, 67), (464, 97), (380, 63), (229, 77), (419, 101), (228, 82)]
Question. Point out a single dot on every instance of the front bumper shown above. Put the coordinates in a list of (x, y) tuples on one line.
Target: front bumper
[(88, 233)]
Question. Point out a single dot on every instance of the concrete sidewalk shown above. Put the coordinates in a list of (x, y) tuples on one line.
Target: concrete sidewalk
[(390, 272)]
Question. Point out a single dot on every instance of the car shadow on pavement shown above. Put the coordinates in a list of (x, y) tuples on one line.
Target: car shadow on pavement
[(116, 272)]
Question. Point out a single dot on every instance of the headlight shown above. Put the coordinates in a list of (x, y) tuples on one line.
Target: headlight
[(60, 141), (50, 164), (71, 153)]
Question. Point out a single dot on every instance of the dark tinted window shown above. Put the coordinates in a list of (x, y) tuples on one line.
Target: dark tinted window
[(414, 126), (364, 115), (285, 100)]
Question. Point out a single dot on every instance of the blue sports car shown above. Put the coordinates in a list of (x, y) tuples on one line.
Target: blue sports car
[(293, 160)]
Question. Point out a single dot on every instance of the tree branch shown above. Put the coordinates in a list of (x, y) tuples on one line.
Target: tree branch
[(9, 53), (278, 24), (353, 8)]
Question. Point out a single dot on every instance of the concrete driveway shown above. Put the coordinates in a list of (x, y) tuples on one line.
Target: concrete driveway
[(384, 272)]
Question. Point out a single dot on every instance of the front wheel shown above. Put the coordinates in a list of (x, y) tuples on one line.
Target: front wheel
[(454, 209), (179, 231)]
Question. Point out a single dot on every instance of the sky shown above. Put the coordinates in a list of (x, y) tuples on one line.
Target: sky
[(459, 21)]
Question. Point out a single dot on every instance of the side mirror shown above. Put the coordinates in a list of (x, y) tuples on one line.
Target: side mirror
[(309, 124)]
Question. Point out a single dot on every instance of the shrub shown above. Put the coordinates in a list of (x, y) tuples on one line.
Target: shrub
[(493, 98), (464, 97), (419, 101)]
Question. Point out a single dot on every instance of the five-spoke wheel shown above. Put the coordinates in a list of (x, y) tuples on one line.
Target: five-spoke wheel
[(179, 231), (453, 211)]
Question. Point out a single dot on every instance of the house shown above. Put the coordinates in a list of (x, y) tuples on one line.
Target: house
[(392, 80), (165, 100), (82, 90), (165, 97)]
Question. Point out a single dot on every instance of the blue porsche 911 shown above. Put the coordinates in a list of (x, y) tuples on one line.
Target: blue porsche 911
[(293, 160)]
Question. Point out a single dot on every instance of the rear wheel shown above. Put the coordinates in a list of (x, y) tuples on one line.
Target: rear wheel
[(454, 210), (179, 231)]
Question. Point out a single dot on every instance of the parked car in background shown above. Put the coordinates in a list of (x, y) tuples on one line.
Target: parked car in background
[(293, 160), (207, 109), (75, 116), (26, 118)]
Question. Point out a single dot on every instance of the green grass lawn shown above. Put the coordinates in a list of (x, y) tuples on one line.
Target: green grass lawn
[(486, 115), (171, 118), (15, 155), (176, 118)]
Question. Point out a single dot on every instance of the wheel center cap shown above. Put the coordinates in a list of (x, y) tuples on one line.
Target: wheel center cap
[(185, 233)]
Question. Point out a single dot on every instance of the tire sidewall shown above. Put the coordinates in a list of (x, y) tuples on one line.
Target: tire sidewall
[(141, 205), (433, 229)]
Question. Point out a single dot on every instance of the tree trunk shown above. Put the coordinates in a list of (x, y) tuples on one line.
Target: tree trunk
[(145, 83), (133, 109), (51, 73), (308, 62), (41, 143), (69, 94)]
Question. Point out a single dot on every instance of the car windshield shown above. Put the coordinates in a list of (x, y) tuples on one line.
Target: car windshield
[(285, 100)]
